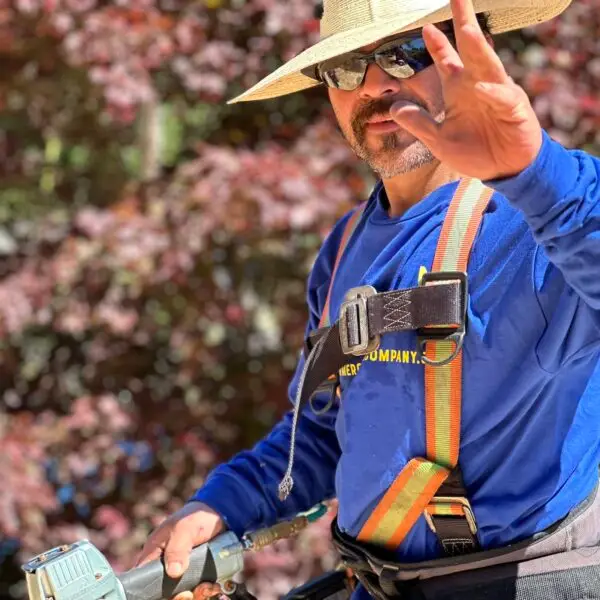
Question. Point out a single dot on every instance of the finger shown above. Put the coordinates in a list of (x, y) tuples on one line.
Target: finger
[(177, 551), (445, 56), (479, 57), (207, 590), (418, 121), (147, 556), (153, 548), (475, 51), (463, 14), (184, 596)]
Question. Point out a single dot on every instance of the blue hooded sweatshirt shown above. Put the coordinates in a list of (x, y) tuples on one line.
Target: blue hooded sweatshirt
[(530, 427)]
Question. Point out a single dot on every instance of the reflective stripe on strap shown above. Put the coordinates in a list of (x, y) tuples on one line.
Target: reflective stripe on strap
[(403, 503), (411, 494), (331, 386), (443, 384), (348, 231)]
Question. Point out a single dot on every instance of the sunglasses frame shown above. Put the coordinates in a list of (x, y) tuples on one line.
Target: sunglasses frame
[(314, 71)]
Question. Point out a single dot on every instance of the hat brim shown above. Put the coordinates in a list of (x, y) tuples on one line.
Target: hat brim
[(503, 16)]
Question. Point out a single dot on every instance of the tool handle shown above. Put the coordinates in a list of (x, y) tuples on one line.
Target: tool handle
[(286, 529), (207, 563)]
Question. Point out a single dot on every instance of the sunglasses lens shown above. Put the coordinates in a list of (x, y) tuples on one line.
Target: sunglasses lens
[(347, 76), (400, 59), (405, 59)]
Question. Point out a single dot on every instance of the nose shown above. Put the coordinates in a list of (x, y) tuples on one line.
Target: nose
[(378, 83)]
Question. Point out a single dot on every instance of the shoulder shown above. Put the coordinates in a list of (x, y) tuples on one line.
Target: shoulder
[(334, 241), (503, 234), (503, 256)]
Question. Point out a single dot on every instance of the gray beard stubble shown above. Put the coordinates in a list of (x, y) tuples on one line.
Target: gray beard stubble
[(390, 159)]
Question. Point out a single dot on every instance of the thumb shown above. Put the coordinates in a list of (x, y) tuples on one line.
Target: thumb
[(415, 120), (178, 549)]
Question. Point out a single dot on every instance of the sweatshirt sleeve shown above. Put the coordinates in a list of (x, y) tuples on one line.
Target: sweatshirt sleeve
[(244, 491), (559, 195)]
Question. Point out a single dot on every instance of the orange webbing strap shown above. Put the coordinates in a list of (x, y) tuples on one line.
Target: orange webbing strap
[(412, 492), (348, 231), (332, 384)]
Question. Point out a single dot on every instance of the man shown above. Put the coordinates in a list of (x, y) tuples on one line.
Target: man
[(428, 107)]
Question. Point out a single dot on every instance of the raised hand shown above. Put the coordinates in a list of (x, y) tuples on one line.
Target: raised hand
[(490, 129)]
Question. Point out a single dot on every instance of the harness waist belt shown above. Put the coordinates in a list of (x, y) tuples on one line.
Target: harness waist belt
[(573, 543)]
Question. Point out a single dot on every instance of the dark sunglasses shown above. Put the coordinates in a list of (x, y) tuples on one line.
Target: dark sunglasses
[(401, 58)]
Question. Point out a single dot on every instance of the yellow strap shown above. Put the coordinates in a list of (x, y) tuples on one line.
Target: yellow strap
[(412, 491)]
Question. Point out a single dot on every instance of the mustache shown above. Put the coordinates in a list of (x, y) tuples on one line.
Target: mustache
[(379, 107)]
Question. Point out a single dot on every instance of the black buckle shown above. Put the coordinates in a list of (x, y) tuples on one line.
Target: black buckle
[(454, 334), (354, 322), (313, 337), (330, 386)]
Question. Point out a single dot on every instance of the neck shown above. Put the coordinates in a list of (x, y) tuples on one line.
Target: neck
[(405, 190)]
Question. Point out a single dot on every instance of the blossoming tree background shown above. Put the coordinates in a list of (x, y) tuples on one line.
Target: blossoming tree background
[(154, 244)]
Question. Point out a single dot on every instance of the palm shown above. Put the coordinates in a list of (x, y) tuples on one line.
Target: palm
[(490, 129)]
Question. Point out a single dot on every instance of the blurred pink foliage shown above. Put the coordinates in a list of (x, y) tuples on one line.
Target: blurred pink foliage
[(558, 63), (149, 324)]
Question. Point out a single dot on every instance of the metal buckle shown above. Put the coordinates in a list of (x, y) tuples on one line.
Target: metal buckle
[(454, 334), (354, 320), (464, 503)]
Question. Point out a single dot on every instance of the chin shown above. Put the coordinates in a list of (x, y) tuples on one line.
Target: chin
[(399, 160)]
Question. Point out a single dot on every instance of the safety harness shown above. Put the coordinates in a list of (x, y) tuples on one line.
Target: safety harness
[(436, 309)]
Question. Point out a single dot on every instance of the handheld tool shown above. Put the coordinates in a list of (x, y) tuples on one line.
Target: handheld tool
[(79, 571)]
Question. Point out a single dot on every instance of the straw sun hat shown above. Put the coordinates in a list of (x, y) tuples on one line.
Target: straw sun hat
[(347, 25)]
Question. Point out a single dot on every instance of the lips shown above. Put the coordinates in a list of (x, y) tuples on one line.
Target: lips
[(378, 119), (374, 119), (381, 125)]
